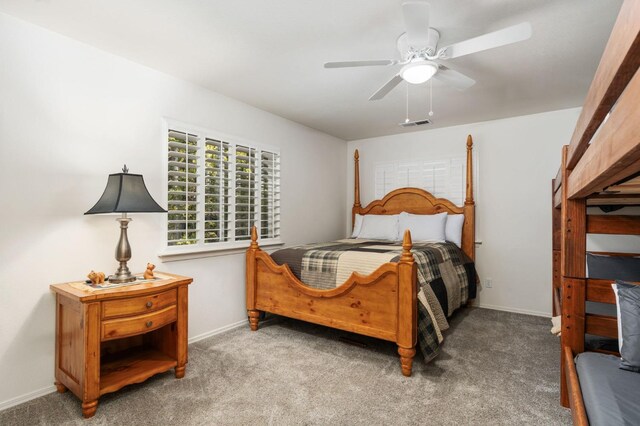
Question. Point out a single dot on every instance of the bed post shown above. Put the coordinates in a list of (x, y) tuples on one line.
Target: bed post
[(253, 313), (356, 193), (573, 247), (469, 239), (407, 306)]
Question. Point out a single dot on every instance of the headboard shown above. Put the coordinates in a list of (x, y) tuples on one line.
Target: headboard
[(419, 201)]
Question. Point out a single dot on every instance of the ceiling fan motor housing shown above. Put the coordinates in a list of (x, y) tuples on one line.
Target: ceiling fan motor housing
[(430, 47)]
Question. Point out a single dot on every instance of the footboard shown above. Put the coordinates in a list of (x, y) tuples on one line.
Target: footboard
[(382, 304)]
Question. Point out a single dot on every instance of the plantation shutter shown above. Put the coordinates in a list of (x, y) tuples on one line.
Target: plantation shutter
[(443, 178), (385, 179), (217, 193), (182, 221), (269, 195), (435, 179), (246, 191), (217, 190), (409, 174)]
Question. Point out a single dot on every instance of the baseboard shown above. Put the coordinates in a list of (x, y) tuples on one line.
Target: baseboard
[(26, 397), (50, 389), (217, 331), (514, 310)]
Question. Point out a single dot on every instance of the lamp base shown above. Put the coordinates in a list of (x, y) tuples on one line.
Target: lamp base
[(119, 279), (123, 254)]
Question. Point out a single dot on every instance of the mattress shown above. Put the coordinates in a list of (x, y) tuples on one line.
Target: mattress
[(611, 395)]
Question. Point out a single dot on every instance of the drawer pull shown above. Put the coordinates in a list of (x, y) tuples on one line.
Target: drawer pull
[(149, 323), (149, 304)]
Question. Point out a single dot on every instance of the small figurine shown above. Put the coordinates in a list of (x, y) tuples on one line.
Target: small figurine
[(148, 274), (96, 277)]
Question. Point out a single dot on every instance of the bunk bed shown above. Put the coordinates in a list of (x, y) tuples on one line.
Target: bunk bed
[(600, 168), (382, 304)]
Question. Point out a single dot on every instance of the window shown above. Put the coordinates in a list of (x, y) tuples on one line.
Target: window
[(217, 189), (443, 178)]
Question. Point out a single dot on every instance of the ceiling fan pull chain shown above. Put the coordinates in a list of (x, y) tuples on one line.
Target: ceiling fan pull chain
[(430, 97), (406, 120)]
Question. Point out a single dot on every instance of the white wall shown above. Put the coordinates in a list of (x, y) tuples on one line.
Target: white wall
[(71, 114), (518, 157)]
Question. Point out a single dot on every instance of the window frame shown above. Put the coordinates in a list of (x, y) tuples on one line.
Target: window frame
[(202, 249)]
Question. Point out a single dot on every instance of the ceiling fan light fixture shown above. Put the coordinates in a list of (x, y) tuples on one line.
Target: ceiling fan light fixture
[(418, 72)]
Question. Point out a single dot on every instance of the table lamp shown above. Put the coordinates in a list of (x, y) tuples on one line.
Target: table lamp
[(125, 193)]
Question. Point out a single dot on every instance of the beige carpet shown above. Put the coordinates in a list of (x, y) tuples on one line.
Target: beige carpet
[(494, 368)]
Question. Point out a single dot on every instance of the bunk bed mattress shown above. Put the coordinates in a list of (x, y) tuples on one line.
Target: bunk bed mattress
[(446, 276), (610, 394)]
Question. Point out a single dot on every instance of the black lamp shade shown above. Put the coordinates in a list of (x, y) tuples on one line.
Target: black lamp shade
[(126, 193)]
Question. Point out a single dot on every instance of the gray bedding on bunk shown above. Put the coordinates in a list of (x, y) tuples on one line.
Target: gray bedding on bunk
[(610, 394), (593, 342), (607, 267), (446, 276)]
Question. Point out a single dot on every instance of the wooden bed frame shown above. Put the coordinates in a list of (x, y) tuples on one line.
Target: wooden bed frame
[(381, 305), (600, 166)]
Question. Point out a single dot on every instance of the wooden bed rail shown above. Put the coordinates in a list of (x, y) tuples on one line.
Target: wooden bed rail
[(578, 321), (617, 66), (604, 150), (557, 182), (578, 411), (613, 224), (612, 153)]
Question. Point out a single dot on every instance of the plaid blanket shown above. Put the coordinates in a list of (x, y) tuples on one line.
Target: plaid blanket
[(446, 276)]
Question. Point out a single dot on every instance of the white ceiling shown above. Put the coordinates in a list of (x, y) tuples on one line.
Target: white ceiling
[(270, 53)]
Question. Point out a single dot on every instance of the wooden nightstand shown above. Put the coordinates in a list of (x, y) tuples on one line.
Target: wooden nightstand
[(107, 339)]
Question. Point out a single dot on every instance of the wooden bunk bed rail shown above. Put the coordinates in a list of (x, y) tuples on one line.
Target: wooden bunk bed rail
[(613, 224), (600, 166), (618, 65), (578, 411), (614, 152)]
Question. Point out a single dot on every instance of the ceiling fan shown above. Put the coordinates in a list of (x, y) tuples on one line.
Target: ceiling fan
[(419, 51)]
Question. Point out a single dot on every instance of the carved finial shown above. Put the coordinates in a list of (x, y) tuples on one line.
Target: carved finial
[(254, 237), (125, 169), (469, 142), (356, 155), (407, 256)]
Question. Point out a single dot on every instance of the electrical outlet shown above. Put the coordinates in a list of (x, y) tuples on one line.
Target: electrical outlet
[(488, 282)]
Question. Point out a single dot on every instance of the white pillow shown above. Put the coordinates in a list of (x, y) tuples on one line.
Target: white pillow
[(424, 227), (357, 226), (453, 228), (379, 227), (614, 286)]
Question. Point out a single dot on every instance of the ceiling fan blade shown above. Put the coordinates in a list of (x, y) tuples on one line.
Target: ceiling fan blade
[(416, 23), (453, 78), (346, 64), (388, 86), (487, 41)]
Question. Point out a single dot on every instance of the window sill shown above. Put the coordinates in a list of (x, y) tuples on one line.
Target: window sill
[(188, 253)]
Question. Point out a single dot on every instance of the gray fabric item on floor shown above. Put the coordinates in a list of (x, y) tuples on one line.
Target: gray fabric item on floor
[(494, 368)]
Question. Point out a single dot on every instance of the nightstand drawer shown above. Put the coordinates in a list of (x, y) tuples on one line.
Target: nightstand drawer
[(131, 326), (138, 305)]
